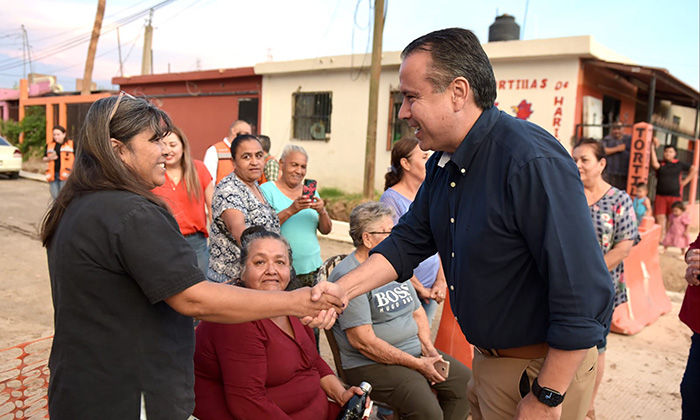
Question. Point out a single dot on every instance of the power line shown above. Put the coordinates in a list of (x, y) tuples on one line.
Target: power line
[(81, 39), (179, 13)]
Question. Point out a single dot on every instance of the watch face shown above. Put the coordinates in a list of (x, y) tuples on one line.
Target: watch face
[(550, 398)]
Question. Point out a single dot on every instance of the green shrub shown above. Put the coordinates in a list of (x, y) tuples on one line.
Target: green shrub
[(34, 128), (10, 130), (330, 192)]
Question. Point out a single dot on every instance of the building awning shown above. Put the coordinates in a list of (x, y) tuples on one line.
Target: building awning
[(668, 87)]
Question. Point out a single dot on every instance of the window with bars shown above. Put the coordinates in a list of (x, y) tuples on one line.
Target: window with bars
[(312, 115), (398, 128)]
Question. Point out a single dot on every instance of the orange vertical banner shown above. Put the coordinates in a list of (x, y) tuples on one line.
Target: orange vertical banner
[(640, 154)]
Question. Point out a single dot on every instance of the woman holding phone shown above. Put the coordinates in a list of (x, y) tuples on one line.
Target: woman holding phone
[(300, 214), (60, 155)]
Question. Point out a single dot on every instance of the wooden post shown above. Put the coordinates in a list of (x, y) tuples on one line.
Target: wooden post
[(375, 72), (92, 49)]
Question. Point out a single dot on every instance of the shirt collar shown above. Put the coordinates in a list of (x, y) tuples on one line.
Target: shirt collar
[(463, 156)]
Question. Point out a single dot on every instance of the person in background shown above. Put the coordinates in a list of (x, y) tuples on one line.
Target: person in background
[(641, 203), (60, 155), (187, 190), (669, 184), (615, 225), (125, 283), (271, 169), (405, 176), (384, 336), (237, 204), (217, 158), (617, 150), (690, 316), (300, 216), (265, 369), (677, 233)]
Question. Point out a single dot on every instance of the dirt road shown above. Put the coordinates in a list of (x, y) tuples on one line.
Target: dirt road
[(26, 311), (643, 371)]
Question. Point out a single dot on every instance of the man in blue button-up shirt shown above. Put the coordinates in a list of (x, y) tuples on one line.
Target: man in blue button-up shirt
[(503, 204)]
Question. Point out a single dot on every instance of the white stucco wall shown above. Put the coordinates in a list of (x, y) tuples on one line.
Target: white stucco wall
[(543, 73), (547, 87), (338, 162)]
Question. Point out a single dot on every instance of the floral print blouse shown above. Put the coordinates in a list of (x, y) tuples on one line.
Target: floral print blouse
[(614, 221), (225, 253)]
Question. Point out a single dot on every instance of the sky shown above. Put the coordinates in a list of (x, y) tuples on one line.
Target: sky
[(211, 34)]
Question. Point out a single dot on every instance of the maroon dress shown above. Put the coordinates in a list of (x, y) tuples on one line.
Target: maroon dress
[(257, 371)]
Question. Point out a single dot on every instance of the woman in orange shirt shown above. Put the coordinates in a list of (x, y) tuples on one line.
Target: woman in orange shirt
[(188, 190)]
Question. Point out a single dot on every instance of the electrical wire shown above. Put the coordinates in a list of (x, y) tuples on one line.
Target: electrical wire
[(352, 41), (76, 41)]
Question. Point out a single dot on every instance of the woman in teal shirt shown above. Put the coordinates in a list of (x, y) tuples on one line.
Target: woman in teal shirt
[(299, 215)]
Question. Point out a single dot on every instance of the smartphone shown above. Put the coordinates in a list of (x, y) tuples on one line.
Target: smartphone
[(309, 188), (443, 368)]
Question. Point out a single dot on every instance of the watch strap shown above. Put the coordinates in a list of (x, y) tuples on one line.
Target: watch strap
[(547, 396)]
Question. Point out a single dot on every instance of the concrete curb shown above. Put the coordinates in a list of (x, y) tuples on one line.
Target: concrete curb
[(33, 176), (340, 232)]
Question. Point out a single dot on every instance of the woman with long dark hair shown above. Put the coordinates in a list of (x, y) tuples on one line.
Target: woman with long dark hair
[(188, 190), (405, 176), (238, 204), (124, 281)]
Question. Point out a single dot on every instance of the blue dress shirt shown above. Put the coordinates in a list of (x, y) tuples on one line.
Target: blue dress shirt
[(507, 213)]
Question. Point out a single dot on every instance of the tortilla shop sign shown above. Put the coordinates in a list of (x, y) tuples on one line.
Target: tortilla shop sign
[(640, 154)]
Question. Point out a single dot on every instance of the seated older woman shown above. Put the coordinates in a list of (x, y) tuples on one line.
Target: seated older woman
[(384, 336), (267, 369)]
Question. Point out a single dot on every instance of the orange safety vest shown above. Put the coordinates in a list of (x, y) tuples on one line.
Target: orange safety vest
[(67, 157), (263, 179), (225, 164)]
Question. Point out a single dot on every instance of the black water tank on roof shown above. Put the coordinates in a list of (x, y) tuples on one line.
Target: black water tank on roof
[(504, 29)]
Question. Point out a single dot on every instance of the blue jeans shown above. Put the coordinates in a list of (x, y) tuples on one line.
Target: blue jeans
[(690, 385), (55, 187), (430, 309), (198, 242)]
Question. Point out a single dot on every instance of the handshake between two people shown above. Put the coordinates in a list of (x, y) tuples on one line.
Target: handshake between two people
[(322, 304)]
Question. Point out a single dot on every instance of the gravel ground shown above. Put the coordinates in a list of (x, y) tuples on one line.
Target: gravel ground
[(641, 381)]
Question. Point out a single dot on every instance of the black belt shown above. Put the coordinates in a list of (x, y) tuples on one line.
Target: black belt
[(193, 234)]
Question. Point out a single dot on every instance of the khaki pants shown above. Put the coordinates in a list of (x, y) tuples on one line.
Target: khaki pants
[(494, 391)]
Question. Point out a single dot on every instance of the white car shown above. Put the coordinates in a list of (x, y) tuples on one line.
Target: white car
[(10, 159)]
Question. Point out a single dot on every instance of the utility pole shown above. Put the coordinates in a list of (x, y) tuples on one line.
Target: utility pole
[(375, 72), (24, 55), (92, 49), (147, 58), (119, 46), (27, 56)]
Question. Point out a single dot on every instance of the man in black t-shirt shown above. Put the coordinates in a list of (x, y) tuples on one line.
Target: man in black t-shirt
[(669, 183)]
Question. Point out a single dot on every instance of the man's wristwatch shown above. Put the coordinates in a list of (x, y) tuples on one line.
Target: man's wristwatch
[(546, 395)]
